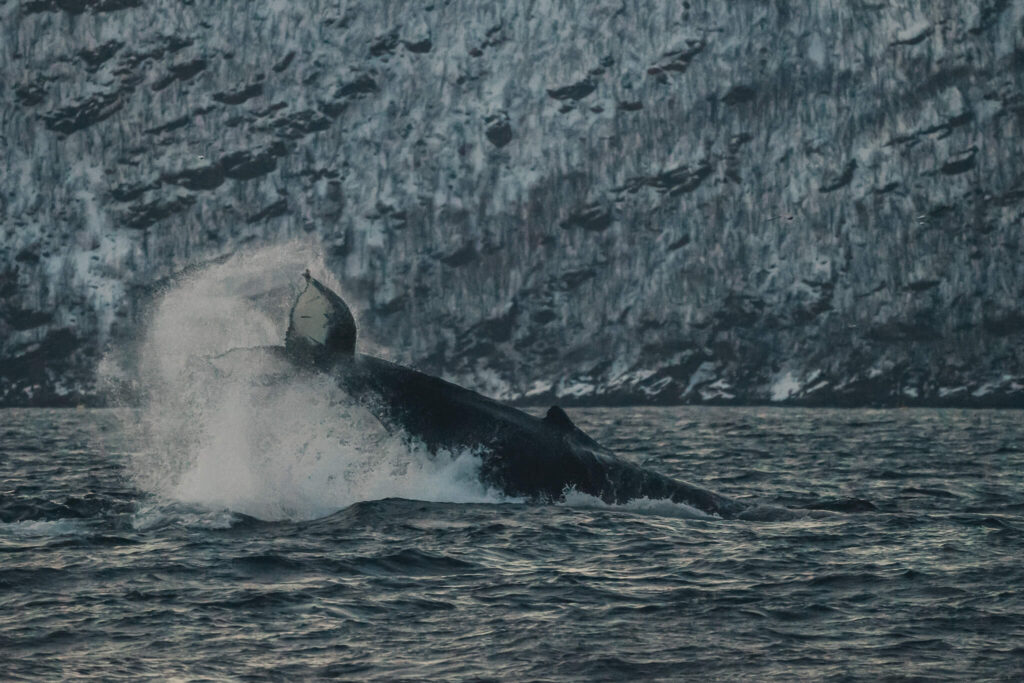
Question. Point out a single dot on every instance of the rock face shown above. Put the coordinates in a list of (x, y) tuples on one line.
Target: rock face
[(801, 200)]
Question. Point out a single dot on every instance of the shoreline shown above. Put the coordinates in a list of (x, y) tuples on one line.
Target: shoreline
[(977, 403)]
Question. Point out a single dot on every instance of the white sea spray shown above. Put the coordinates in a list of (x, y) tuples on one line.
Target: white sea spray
[(244, 431)]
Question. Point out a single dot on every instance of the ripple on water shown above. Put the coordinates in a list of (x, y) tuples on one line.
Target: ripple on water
[(100, 579)]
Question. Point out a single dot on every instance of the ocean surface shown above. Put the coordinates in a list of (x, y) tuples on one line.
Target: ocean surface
[(125, 553)]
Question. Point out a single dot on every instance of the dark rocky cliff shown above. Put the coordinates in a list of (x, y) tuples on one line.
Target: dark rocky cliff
[(797, 200)]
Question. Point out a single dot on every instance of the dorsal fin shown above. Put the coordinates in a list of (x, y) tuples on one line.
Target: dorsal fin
[(320, 325), (556, 417)]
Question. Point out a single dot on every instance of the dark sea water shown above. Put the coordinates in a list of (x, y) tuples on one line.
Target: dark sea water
[(104, 575)]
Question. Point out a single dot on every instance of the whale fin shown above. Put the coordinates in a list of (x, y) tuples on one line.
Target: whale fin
[(556, 417), (320, 325)]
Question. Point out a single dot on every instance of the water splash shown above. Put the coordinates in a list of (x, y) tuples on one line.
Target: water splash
[(240, 430)]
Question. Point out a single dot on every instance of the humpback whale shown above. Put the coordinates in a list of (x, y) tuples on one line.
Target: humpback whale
[(538, 459)]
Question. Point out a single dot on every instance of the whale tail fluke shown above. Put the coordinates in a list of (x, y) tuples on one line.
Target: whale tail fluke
[(320, 326)]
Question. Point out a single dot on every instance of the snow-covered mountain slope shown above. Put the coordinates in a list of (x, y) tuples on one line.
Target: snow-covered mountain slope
[(593, 200)]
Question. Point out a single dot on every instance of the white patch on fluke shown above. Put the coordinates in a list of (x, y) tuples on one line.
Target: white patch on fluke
[(311, 315)]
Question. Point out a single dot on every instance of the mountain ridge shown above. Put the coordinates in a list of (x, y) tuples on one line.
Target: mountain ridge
[(794, 202)]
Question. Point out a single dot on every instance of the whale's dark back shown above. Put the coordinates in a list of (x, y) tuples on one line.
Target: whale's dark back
[(523, 456)]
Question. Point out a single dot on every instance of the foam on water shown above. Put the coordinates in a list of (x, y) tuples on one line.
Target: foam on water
[(656, 506), (253, 436), (54, 527), (152, 517)]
